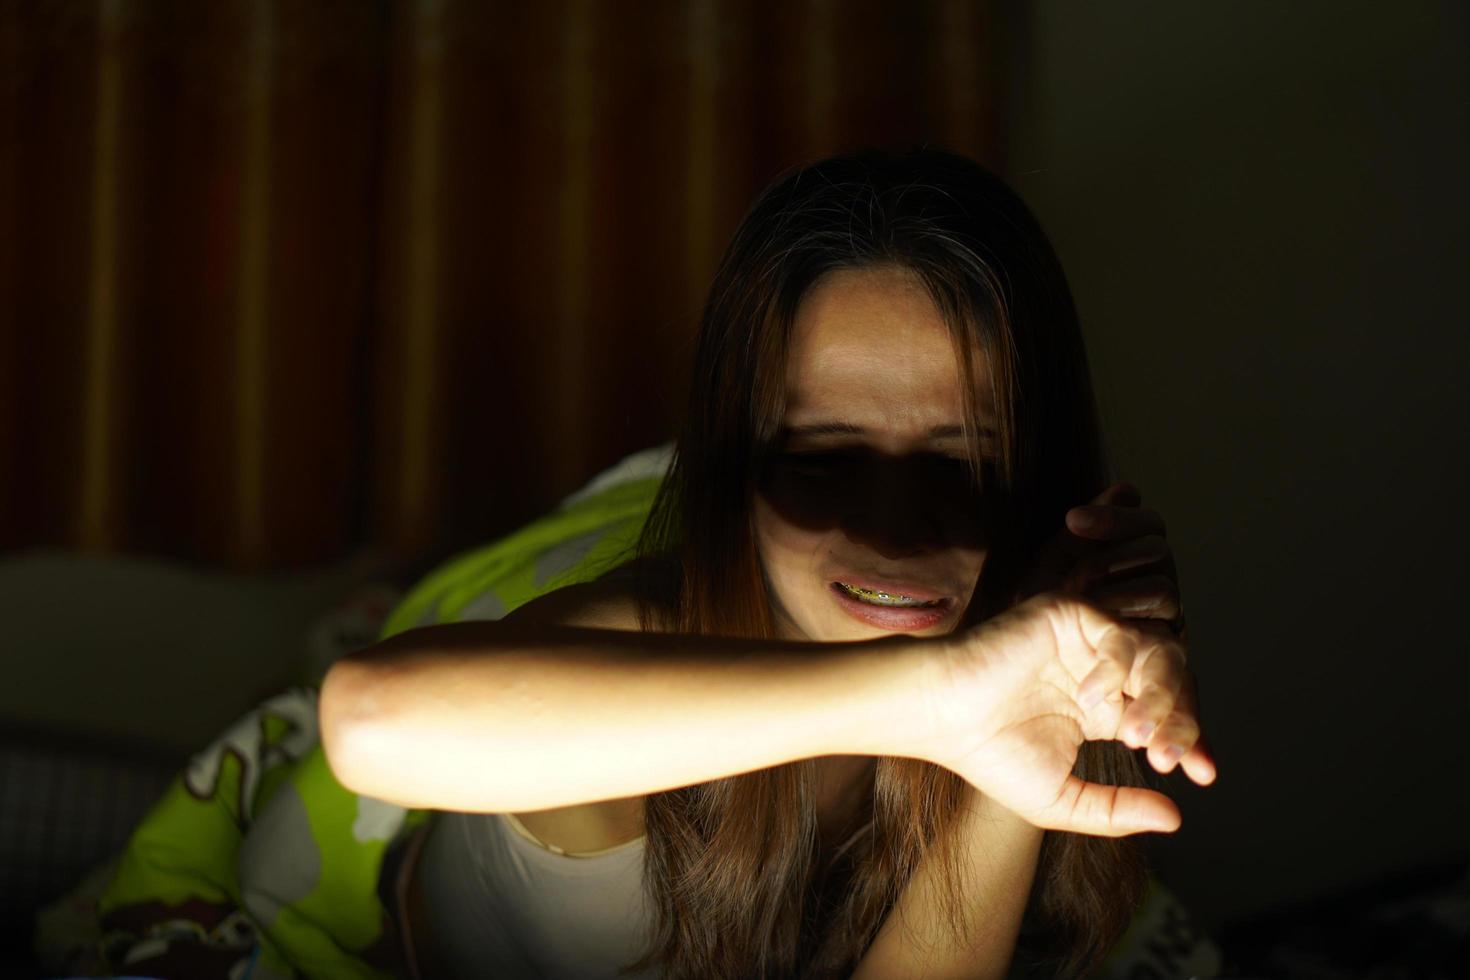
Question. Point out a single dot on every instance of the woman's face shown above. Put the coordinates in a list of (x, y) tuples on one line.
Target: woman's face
[(867, 519)]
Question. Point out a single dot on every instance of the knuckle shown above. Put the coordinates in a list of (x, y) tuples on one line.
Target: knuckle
[(1050, 598), (1050, 604), (1058, 601), (1181, 730), (1153, 691), (1177, 667), (1163, 668)]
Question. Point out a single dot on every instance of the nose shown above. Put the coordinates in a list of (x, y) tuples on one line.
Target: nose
[(894, 514)]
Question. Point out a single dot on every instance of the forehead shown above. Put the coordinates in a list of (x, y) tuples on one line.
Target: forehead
[(868, 346)]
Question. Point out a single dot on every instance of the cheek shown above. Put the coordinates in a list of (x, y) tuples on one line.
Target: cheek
[(973, 561), (787, 549)]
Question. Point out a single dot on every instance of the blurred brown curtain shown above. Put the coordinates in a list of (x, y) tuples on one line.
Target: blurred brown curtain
[(285, 279)]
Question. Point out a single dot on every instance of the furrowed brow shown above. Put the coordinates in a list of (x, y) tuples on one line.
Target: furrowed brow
[(835, 428), (825, 429)]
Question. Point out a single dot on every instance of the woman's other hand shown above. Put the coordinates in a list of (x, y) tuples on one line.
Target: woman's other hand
[(1013, 699), (1113, 552)]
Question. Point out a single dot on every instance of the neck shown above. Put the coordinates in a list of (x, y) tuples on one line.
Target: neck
[(843, 786)]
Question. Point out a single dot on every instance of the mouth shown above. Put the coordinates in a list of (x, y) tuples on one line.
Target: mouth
[(878, 597), (892, 607)]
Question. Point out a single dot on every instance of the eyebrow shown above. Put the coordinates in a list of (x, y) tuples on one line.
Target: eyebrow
[(848, 429)]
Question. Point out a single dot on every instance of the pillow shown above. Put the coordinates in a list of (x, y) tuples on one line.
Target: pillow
[(591, 532)]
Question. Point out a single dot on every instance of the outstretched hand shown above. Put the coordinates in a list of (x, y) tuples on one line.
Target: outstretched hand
[(1115, 553), (1014, 698)]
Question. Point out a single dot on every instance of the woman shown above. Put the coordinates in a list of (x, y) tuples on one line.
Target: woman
[(862, 692)]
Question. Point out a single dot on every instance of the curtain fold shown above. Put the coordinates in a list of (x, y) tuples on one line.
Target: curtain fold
[(286, 280)]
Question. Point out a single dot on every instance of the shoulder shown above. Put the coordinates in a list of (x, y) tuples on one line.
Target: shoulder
[(612, 601)]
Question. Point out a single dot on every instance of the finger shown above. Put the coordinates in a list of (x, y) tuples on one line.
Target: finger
[(1108, 523), (1064, 547), (1105, 667), (1094, 568), (1151, 596), (1199, 764), (1105, 682), (1176, 737), (1120, 494), (1104, 639), (1109, 811), (1101, 693), (1154, 684), (1100, 697)]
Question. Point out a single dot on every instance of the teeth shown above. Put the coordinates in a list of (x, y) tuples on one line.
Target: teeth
[(883, 598)]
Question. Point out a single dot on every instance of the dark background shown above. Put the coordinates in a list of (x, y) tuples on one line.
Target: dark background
[(1262, 211), (297, 297)]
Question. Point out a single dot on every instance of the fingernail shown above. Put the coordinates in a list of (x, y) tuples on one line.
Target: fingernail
[(1145, 732), (1084, 519), (1171, 754), (1091, 700)]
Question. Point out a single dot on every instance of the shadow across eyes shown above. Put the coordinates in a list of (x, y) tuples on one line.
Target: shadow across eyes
[(911, 502)]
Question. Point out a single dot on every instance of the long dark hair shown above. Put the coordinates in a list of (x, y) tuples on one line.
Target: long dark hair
[(731, 865)]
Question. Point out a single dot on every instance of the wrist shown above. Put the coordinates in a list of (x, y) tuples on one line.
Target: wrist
[(992, 813), (905, 675)]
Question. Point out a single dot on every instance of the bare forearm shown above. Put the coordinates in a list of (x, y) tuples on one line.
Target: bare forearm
[(483, 717), (999, 856)]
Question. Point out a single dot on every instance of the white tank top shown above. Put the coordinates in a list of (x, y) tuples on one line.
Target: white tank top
[(505, 905)]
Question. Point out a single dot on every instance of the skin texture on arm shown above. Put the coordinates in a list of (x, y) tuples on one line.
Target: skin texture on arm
[(522, 714), (999, 856)]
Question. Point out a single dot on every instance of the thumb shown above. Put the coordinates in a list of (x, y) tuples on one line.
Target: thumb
[(1109, 811)]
